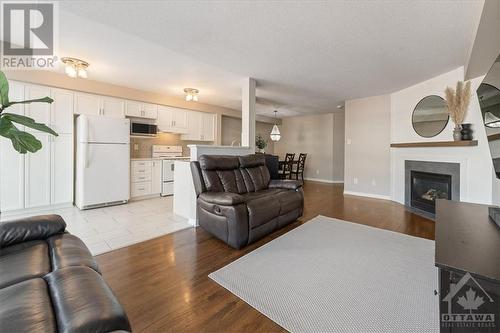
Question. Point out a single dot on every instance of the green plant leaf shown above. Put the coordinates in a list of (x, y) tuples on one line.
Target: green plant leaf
[(4, 90), (22, 142), (29, 101), (29, 122)]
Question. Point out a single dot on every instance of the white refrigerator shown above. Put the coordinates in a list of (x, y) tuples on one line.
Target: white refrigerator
[(102, 161)]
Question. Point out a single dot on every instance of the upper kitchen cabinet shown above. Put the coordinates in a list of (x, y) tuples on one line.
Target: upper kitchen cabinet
[(141, 110), (113, 107), (172, 120), (87, 104), (201, 126), (90, 104)]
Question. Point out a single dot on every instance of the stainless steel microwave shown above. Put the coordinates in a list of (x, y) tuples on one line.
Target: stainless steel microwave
[(143, 129)]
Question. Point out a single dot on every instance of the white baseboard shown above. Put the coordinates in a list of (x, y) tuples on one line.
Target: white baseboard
[(369, 195), (329, 181)]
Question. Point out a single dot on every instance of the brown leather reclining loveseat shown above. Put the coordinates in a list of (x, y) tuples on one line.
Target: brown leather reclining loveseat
[(238, 202)]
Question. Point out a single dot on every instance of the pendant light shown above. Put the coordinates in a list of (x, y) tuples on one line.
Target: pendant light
[(275, 132)]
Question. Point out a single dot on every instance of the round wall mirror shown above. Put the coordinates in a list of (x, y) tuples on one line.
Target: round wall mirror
[(430, 116)]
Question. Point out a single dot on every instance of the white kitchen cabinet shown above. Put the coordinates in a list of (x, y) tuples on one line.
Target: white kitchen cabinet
[(179, 117), (61, 160), (150, 111), (37, 174), (87, 104), (91, 104), (61, 111), (201, 127), (207, 127), (145, 178), (173, 120), (112, 107), (11, 177), (141, 110), (156, 180), (40, 112)]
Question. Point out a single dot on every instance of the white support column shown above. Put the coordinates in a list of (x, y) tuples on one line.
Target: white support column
[(248, 114)]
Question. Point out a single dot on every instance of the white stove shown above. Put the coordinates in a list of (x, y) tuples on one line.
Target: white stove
[(168, 154)]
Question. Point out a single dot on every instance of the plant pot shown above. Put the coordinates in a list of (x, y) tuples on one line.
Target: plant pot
[(457, 133), (466, 132)]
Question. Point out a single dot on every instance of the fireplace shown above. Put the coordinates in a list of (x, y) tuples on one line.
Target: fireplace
[(426, 187), (426, 181)]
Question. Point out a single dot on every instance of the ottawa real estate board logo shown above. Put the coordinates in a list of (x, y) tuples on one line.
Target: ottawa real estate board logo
[(29, 35), (468, 305)]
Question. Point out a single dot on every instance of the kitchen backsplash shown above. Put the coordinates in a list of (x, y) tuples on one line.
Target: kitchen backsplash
[(145, 144)]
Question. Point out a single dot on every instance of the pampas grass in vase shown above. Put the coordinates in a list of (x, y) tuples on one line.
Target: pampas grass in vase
[(458, 102)]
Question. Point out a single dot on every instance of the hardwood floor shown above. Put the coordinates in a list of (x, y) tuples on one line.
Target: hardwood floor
[(163, 283)]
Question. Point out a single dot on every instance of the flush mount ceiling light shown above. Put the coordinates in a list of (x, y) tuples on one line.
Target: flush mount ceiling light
[(275, 132), (191, 94), (75, 67)]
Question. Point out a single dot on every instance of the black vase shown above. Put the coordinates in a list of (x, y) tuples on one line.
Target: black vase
[(466, 132)]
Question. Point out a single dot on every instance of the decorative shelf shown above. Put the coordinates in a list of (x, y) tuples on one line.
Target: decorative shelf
[(463, 143)]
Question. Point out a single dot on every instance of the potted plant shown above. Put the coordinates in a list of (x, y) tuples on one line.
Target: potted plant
[(458, 101), (260, 143), (22, 142)]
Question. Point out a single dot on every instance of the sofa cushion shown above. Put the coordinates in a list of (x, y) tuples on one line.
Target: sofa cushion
[(262, 210), (23, 261), (256, 179), (251, 161), (218, 162), (264, 193), (68, 250), (31, 228), (26, 307), (83, 302)]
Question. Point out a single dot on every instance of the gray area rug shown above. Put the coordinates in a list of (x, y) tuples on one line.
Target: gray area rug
[(330, 275)]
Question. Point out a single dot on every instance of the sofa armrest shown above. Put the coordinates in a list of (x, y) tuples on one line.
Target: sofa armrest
[(30, 228), (222, 198), (286, 184)]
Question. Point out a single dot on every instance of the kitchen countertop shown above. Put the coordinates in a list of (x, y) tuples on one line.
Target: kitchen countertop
[(159, 158)]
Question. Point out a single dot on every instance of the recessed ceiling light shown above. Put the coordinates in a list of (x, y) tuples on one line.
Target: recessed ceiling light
[(75, 67), (340, 106), (191, 94)]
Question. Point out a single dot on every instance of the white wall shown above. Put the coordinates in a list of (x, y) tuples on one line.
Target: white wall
[(475, 162), (367, 154), (321, 137)]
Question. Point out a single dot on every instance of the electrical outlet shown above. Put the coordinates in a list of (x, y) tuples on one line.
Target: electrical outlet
[(355, 180), (349, 141), (136, 146), (317, 172), (374, 183)]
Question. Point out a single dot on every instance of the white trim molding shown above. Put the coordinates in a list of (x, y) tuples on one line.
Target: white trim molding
[(368, 195), (329, 181)]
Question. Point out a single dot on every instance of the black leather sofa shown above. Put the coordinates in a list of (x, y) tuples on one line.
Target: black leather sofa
[(49, 281), (237, 201)]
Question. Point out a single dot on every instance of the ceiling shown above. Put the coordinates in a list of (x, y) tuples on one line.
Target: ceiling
[(307, 57)]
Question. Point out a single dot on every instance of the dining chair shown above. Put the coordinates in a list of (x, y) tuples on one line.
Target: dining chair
[(299, 169), (286, 171)]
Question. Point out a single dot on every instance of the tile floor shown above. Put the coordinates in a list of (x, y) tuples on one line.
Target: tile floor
[(111, 228)]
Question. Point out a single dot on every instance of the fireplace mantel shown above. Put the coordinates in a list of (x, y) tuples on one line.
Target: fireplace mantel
[(463, 143)]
